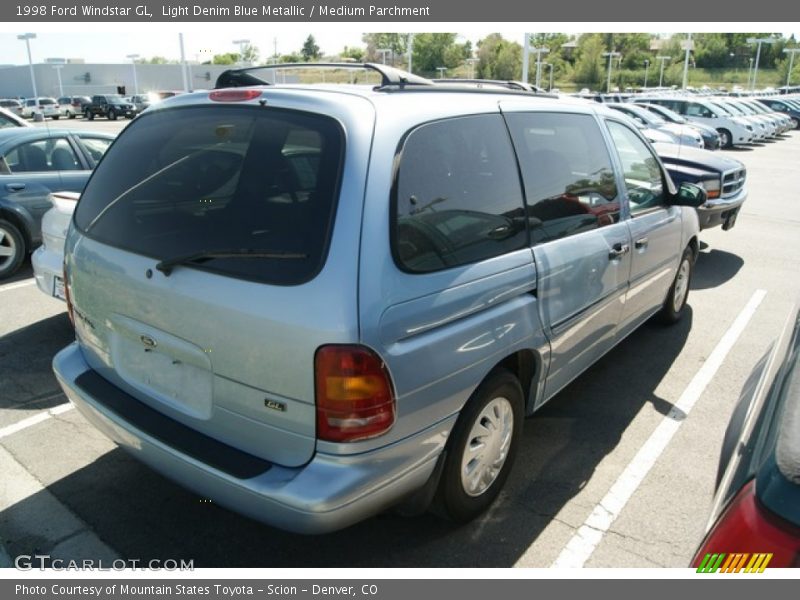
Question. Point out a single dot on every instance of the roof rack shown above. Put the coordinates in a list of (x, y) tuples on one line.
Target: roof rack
[(507, 84), (390, 77)]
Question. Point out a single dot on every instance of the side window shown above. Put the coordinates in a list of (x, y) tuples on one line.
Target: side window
[(698, 110), (94, 148), (52, 154), (567, 172), (457, 197), (643, 177)]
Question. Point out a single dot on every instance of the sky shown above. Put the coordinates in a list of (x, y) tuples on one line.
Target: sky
[(112, 42)]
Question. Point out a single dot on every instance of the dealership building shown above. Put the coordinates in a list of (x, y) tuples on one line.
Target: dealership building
[(70, 77)]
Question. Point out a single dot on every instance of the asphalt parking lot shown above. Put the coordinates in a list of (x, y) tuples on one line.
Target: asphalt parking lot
[(70, 493)]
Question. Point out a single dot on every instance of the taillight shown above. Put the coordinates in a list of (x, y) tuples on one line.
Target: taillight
[(746, 527), (355, 400), (234, 95), (68, 297)]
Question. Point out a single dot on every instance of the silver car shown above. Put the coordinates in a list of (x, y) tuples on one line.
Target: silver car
[(313, 303)]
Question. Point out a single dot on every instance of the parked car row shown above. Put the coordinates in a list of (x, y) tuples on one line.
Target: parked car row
[(110, 106), (737, 120)]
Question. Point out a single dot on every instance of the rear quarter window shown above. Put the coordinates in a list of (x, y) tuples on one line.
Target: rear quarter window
[(220, 179), (457, 195)]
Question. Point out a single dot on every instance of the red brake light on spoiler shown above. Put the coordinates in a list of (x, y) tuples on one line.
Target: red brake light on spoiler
[(234, 95)]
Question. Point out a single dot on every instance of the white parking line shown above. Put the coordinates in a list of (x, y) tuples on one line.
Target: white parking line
[(35, 419), (590, 534), (13, 286)]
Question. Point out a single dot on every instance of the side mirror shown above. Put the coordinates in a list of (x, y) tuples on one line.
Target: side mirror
[(690, 194)]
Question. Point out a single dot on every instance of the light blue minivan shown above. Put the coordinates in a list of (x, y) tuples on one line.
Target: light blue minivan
[(311, 303)]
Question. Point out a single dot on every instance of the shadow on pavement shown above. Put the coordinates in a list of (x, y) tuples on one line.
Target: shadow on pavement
[(144, 516), (26, 377), (715, 267)]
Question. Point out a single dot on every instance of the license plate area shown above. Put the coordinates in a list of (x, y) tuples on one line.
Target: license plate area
[(58, 288), (164, 368), (730, 220)]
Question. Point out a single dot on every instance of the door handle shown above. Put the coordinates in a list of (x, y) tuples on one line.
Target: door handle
[(15, 187), (618, 250), (641, 243)]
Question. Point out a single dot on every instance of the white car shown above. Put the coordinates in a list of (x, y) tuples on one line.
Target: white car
[(47, 106), (48, 259), (733, 131)]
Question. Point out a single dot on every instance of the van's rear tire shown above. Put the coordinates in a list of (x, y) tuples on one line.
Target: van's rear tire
[(481, 448), (678, 294)]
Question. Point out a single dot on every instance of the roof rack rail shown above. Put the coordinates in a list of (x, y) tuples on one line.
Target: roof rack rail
[(390, 77), (503, 83)]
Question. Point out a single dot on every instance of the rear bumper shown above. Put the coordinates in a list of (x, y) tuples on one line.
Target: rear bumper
[(722, 211), (329, 493), (47, 265)]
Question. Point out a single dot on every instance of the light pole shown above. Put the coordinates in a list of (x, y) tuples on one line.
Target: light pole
[(133, 58), (661, 75), (791, 52), (539, 52), (686, 60), (750, 72), (384, 52), (28, 37), (550, 65), (441, 71), (758, 41), (471, 62), (646, 68), (242, 45), (58, 74), (610, 56), (410, 51)]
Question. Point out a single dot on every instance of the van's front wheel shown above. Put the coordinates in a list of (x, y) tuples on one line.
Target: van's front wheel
[(482, 448), (673, 307)]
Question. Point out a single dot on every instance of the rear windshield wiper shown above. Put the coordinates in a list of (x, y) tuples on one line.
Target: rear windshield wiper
[(166, 265)]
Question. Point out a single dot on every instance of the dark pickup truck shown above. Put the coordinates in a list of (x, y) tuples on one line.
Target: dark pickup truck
[(721, 176), (110, 106)]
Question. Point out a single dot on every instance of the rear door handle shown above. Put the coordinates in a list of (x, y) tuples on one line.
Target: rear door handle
[(641, 243), (15, 187), (618, 250)]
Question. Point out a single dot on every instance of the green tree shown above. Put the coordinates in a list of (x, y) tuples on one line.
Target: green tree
[(229, 58), (434, 50), (588, 64), (499, 58), (310, 50), (356, 54), (250, 54), (396, 42)]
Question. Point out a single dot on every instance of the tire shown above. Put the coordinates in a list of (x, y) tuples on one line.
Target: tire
[(89, 115), (725, 138), (493, 414), (70, 114), (12, 249), (56, 117), (674, 305), (112, 116)]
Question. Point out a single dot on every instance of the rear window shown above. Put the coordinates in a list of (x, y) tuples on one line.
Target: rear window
[(223, 180), (44, 101)]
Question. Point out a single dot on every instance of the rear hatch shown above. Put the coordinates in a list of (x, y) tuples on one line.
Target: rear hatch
[(197, 270)]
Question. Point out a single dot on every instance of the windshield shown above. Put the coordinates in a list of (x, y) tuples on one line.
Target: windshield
[(670, 114), (651, 118), (210, 180), (723, 109)]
